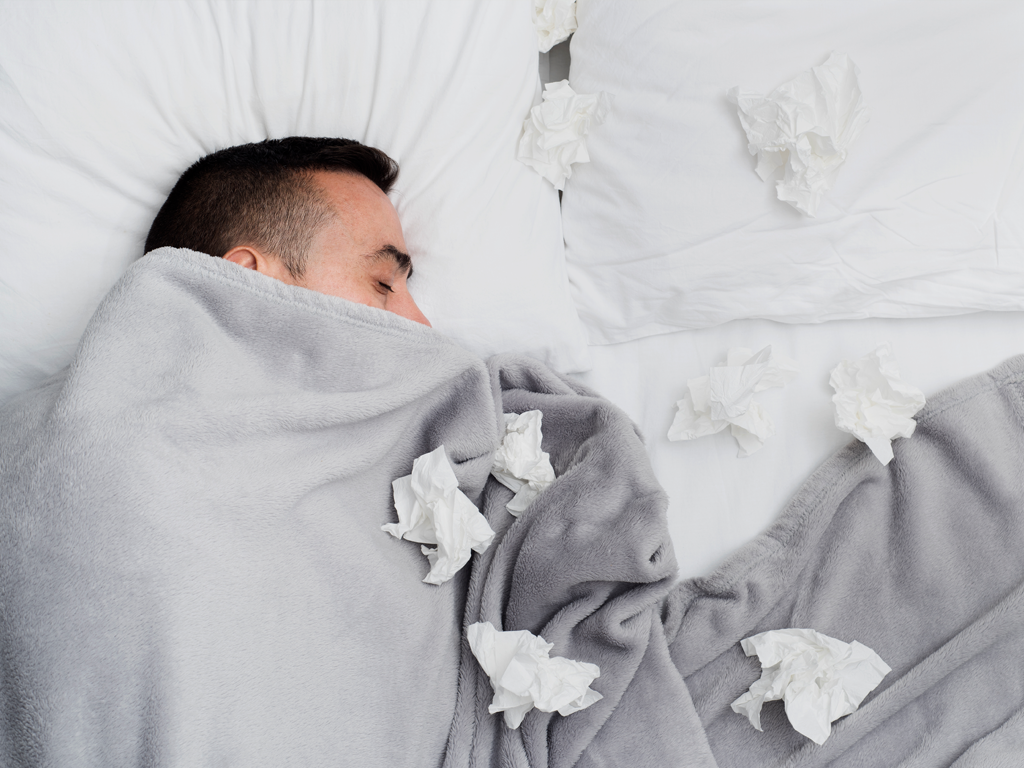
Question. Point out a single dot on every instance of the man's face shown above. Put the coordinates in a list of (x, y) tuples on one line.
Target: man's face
[(361, 254)]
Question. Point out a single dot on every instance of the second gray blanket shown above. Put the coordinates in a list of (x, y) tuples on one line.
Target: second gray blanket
[(922, 560)]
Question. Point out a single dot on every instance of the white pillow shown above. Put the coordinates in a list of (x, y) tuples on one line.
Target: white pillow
[(669, 227), (104, 104)]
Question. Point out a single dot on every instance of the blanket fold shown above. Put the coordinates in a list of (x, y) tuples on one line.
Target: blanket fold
[(921, 561)]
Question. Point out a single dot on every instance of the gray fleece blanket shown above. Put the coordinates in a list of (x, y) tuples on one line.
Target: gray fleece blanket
[(192, 570), (922, 560)]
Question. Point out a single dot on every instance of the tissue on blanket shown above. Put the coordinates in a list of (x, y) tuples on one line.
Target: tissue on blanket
[(724, 398), (432, 510), (555, 21), (555, 133), (519, 463), (805, 126), (873, 403), (524, 676), (819, 678)]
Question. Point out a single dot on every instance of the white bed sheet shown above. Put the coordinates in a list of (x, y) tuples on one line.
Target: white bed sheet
[(717, 501)]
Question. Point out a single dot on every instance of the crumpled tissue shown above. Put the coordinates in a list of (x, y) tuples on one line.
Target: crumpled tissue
[(819, 678), (555, 20), (806, 127), (873, 403), (523, 676), (724, 398), (555, 133), (432, 510), (519, 463)]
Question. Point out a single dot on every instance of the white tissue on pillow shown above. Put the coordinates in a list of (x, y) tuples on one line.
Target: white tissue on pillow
[(555, 132), (804, 128), (555, 21), (667, 228), (104, 104)]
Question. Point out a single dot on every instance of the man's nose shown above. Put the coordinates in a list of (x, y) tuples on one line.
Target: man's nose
[(403, 304)]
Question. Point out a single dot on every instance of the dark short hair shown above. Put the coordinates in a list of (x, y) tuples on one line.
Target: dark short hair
[(262, 195)]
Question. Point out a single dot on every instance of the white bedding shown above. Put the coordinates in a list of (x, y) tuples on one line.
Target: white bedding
[(669, 227), (717, 501)]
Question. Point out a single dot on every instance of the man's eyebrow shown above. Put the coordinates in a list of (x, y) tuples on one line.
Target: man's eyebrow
[(389, 253)]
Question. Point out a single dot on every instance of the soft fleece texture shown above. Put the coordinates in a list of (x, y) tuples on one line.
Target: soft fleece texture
[(192, 570), (920, 560)]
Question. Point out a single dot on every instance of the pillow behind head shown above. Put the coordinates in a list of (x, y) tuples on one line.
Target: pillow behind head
[(104, 105)]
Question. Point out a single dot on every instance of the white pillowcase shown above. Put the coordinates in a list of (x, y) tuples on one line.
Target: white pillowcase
[(104, 104), (669, 227)]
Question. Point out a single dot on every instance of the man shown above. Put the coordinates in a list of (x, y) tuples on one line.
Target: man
[(311, 212), (192, 566)]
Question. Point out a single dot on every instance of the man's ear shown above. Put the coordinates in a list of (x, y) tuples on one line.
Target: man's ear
[(252, 258), (245, 256)]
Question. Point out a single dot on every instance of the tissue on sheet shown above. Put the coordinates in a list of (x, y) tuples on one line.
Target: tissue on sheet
[(724, 398), (555, 21), (519, 463), (524, 676), (432, 510), (555, 133), (819, 678), (873, 403), (804, 127)]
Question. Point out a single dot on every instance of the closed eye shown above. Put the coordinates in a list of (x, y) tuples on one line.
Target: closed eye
[(385, 286)]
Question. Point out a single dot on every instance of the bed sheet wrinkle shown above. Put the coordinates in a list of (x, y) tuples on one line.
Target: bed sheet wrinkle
[(1013, 173), (233, 57)]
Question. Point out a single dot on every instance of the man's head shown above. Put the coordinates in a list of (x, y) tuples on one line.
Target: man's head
[(312, 212)]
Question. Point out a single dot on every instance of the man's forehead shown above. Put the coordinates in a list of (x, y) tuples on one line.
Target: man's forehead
[(354, 197), (348, 183)]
